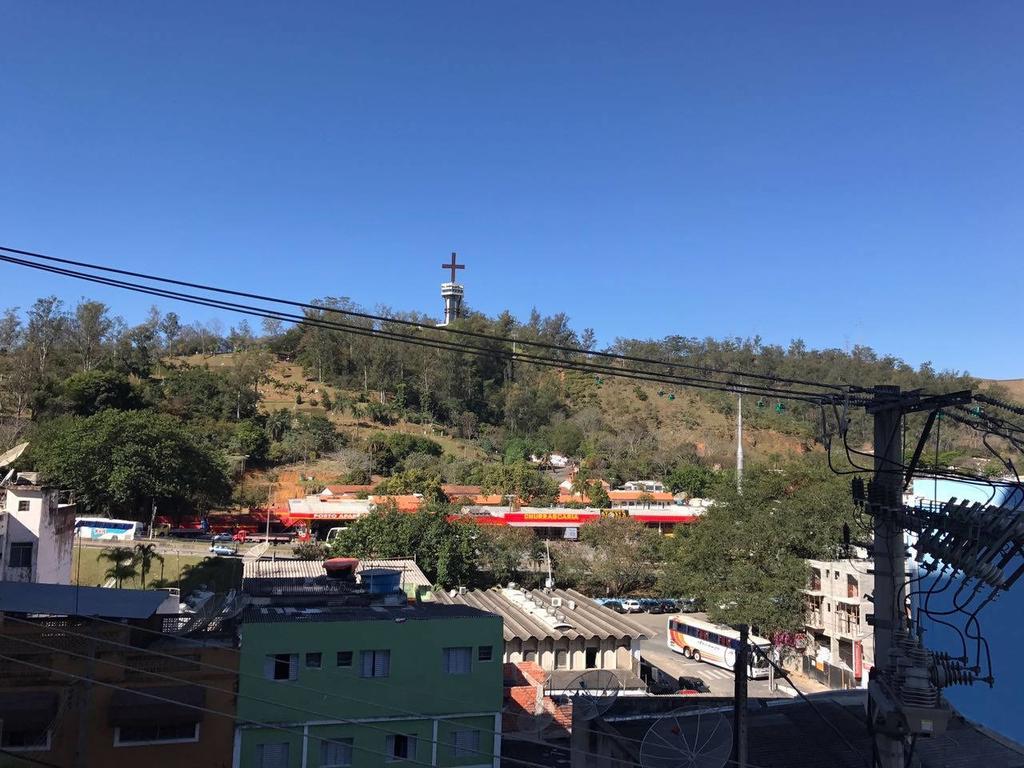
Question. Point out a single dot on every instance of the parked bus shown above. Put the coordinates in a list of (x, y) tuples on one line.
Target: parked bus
[(714, 644), (105, 529)]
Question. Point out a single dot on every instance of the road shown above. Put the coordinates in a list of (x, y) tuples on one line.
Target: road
[(721, 681)]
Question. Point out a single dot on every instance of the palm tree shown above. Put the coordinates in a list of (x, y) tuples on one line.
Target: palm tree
[(145, 554), (122, 560)]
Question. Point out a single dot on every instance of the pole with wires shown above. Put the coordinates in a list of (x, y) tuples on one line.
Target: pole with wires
[(739, 443)]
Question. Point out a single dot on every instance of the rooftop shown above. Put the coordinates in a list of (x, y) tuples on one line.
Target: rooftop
[(268, 614), (527, 614), (265, 576), (67, 600)]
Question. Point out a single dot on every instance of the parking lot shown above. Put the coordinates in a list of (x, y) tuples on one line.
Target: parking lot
[(721, 681)]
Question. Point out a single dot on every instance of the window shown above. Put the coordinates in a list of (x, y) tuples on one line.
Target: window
[(313, 660), (465, 743), (590, 658), (25, 739), (281, 666), (336, 753), (375, 663), (530, 656), (154, 733), (561, 659), (401, 747), (457, 661), (272, 755), (344, 658), (21, 555), (23, 505), (485, 653)]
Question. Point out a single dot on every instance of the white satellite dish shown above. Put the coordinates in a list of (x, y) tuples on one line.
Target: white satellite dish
[(11, 456), (687, 739)]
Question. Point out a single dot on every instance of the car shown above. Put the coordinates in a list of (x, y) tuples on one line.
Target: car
[(223, 550), (222, 537), (695, 684), (687, 605), (615, 605), (632, 605), (663, 606)]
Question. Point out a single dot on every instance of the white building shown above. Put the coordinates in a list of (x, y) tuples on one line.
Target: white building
[(650, 486), (36, 533)]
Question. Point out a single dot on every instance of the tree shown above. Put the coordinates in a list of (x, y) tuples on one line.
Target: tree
[(625, 554), (747, 557), (47, 325), (92, 391), (122, 563), (91, 327), (692, 479), (146, 555), (502, 551), (121, 461)]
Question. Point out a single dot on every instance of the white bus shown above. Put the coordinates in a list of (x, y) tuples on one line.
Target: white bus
[(714, 644), (105, 529)]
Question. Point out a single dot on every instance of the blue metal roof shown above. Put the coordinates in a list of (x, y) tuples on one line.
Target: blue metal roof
[(65, 600)]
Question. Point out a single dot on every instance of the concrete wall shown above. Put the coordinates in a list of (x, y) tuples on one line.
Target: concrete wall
[(48, 526), (612, 653)]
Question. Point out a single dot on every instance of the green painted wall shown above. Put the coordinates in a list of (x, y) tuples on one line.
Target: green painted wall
[(417, 683)]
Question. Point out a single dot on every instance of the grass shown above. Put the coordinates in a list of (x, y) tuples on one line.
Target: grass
[(190, 571)]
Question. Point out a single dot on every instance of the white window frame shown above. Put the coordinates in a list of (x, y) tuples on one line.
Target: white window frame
[(376, 654), (270, 665), (449, 654), (40, 748), (410, 742), (466, 750), (329, 741), (119, 742)]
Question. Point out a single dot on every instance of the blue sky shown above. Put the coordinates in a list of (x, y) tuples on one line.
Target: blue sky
[(655, 168)]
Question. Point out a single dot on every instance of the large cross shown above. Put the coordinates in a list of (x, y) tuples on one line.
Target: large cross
[(453, 266)]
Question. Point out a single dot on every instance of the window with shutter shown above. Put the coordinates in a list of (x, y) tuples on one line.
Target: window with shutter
[(336, 753), (272, 755), (375, 663), (466, 743), (401, 747), (457, 660), (281, 666), (485, 653)]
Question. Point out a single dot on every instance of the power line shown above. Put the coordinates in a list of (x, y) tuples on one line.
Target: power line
[(380, 333), (401, 321)]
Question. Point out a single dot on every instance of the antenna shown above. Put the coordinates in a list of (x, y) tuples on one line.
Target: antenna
[(11, 456), (594, 692), (687, 739)]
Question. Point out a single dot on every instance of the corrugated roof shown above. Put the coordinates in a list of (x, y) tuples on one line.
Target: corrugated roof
[(260, 575), (588, 619), (66, 600)]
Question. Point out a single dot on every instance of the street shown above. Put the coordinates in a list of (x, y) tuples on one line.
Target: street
[(719, 680)]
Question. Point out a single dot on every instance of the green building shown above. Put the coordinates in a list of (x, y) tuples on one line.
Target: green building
[(370, 685)]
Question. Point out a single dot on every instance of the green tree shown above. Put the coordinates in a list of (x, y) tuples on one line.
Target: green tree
[(121, 461), (746, 556), (502, 551), (122, 563), (625, 554), (145, 555), (692, 479)]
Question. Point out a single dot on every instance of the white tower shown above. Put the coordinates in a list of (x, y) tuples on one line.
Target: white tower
[(452, 293)]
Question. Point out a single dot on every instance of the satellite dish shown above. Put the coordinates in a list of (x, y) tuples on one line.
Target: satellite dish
[(687, 739), (12, 455), (594, 692)]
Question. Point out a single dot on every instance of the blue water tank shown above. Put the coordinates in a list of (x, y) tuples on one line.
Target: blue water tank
[(379, 581)]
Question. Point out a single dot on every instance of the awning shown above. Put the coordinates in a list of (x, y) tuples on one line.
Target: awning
[(28, 710), (132, 707)]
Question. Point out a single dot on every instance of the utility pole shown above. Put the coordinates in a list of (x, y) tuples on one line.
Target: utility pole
[(889, 568), (739, 712), (739, 444)]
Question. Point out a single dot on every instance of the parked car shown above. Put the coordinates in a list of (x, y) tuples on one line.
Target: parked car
[(664, 606), (223, 550), (632, 605), (615, 605), (687, 605), (689, 684), (221, 537)]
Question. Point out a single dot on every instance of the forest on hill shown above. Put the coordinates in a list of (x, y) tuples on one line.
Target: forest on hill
[(107, 405)]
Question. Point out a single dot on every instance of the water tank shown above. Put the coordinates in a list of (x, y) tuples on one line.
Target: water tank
[(379, 581), (341, 568)]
